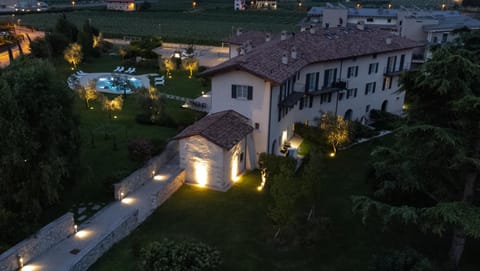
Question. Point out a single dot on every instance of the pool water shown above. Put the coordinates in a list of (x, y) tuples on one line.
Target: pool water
[(105, 84)]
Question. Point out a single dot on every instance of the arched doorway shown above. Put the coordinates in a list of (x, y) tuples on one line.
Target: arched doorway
[(384, 106), (348, 114), (274, 147)]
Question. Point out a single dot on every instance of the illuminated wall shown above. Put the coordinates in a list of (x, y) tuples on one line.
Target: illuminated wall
[(208, 165)]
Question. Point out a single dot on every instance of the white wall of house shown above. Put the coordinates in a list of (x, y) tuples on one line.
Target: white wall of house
[(386, 21), (359, 105), (256, 109), (271, 132), (207, 164), (203, 162), (334, 17)]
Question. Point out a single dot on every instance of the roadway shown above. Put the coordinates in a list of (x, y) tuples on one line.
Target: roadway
[(5, 60)]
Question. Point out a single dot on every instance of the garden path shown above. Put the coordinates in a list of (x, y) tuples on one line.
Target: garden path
[(92, 232)]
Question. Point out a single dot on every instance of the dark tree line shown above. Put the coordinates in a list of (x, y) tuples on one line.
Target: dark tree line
[(38, 147)]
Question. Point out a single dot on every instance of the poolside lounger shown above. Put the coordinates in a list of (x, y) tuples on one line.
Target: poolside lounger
[(161, 78), (133, 70), (121, 69), (128, 70), (116, 69), (159, 82)]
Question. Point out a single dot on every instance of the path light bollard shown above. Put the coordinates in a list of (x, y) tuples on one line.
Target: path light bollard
[(20, 261)]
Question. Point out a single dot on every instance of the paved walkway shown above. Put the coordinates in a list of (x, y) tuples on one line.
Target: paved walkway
[(90, 233)]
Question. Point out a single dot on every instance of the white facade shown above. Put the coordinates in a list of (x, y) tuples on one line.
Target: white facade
[(208, 165), (121, 5), (274, 125), (257, 109)]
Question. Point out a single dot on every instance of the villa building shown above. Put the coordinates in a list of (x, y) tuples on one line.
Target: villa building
[(239, 5), (125, 5), (275, 82), (430, 27)]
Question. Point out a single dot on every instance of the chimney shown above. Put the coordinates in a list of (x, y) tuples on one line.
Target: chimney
[(283, 35), (361, 25), (239, 31), (268, 37), (248, 46), (293, 52), (285, 58), (312, 30), (388, 41), (241, 51)]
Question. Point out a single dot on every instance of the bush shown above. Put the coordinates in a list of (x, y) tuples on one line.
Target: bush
[(359, 130), (179, 256), (140, 149), (400, 260), (39, 48), (384, 120)]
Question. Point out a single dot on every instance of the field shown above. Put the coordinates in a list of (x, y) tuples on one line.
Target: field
[(207, 25)]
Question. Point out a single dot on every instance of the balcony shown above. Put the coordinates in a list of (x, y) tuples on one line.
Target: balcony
[(335, 86), (394, 71)]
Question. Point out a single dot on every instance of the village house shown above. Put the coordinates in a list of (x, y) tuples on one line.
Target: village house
[(273, 83), (125, 5)]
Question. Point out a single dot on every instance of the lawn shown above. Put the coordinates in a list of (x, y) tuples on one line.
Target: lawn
[(235, 223), (104, 154)]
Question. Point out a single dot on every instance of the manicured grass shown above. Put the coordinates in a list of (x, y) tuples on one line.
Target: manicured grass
[(104, 153), (236, 223)]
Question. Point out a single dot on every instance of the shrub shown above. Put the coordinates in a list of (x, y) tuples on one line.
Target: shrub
[(179, 256), (140, 149), (384, 120), (359, 130), (400, 260)]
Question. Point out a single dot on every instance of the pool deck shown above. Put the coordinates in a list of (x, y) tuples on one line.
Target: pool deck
[(83, 80)]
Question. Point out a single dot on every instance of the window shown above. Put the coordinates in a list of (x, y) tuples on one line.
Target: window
[(310, 101), (242, 92), (330, 77), (340, 95), (257, 125), (352, 93), (325, 98), (391, 63), (389, 20), (373, 68), (310, 82), (370, 88), (387, 83), (444, 37), (367, 109), (402, 62), (352, 71), (435, 40), (301, 103), (241, 157), (369, 20)]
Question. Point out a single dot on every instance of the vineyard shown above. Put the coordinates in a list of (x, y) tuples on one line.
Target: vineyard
[(207, 26)]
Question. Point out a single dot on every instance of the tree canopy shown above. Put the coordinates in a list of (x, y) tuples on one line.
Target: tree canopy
[(428, 178), (39, 144)]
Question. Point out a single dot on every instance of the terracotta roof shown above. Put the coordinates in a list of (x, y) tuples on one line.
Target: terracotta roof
[(225, 128), (265, 60)]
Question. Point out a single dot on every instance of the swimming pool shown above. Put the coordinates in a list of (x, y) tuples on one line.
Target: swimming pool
[(118, 85)]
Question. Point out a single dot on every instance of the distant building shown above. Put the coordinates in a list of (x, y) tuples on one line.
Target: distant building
[(427, 26), (263, 4), (239, 4), (125, 5)]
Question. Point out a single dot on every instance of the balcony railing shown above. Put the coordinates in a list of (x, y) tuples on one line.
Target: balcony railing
[(394, 71)]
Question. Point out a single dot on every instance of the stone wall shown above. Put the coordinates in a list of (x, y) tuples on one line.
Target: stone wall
[(39, 242), (140, 176), (118, 232), (167, 191)]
